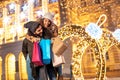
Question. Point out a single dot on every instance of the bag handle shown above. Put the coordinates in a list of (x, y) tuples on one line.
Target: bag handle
[(103, 15)]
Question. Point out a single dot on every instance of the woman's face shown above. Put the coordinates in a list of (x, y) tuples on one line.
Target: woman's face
[(46, 22)]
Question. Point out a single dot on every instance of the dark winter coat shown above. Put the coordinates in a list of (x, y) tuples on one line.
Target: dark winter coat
[(27, 46)]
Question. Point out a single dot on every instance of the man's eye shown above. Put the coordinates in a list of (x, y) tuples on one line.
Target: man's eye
[(39, 30)]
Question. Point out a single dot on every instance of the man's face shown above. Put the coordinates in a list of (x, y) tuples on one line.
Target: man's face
[(46, 22), (39, 30)]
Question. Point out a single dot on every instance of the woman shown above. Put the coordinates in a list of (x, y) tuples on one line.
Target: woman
[(50, 30), (47, 34)]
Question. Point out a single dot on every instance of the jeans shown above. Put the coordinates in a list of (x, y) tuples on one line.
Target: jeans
[(59, 70), (51, 71), (43, 73), (29, 70)]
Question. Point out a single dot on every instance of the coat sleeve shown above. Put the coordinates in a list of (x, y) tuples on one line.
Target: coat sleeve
[(25, 48)]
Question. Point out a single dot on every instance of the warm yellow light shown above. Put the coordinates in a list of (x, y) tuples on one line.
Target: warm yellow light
[(1, 31), (100, 47), (12, 6), (0, 59), (6, 20), (12, 30), (19, 29), (22, 15)]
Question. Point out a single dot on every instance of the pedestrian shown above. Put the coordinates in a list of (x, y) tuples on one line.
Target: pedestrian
[(50, 30), (47, 34), (34, 33), (54, 30)]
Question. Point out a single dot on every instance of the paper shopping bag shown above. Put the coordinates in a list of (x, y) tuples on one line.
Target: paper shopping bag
[(58, 46), (58, 60), (36, 55)]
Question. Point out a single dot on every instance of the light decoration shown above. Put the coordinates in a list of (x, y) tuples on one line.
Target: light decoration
[(1, 31), (19, 29), (32, 1), (116, 34), (12, 30), (104, 42), (100, 44), (100, 48), (45, 6), (25, 31), (84, 41), (94, 31), (25, 7), (12, 6), (39, 13), (22, 15), (6, 20)]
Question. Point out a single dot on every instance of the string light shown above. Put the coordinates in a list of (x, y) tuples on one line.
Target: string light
[(39, 13), (94, 31), (116, 34), (6, 20), (100, 48), (84, 42), (22, 15), (1, 31), (25, 7), (12, 6)]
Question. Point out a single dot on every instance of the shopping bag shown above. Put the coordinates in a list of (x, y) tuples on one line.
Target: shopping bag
[(45, 45), (58, 60), (58, 46), (36, 55)]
